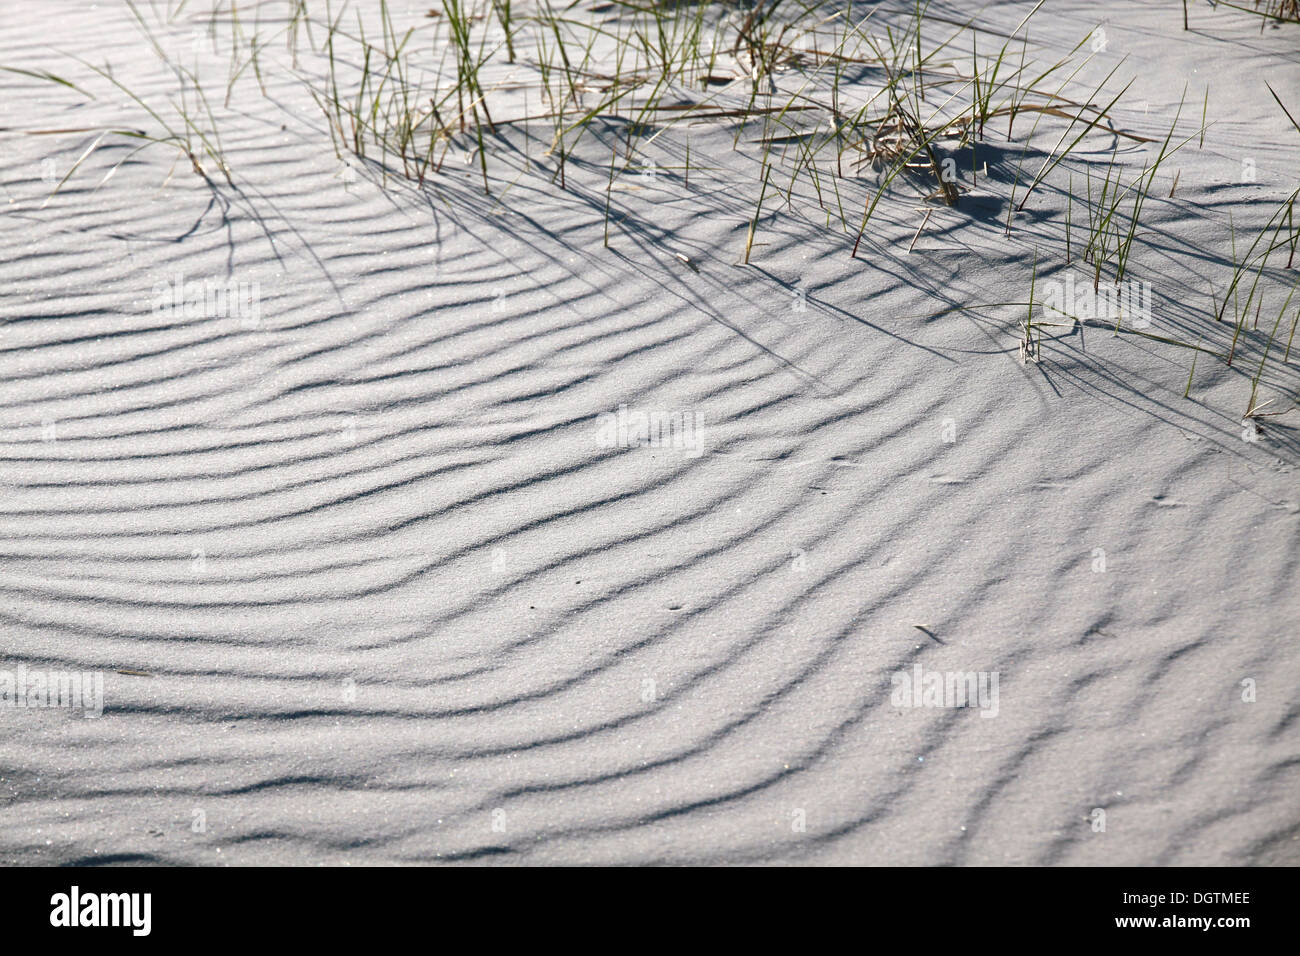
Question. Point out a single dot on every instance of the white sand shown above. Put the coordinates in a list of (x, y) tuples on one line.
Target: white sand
[(388, 581)]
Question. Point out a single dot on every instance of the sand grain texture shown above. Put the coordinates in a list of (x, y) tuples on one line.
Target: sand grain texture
[(387, 581)]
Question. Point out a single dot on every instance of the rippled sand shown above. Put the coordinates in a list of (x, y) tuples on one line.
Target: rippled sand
[(390, 598)]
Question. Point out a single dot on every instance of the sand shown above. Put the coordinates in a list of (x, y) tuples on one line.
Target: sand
[(371, 577)]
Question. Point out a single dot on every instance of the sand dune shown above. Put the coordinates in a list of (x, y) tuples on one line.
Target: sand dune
[(389, 595)]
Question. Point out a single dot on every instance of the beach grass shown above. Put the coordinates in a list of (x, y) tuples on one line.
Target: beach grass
[(841, 112)]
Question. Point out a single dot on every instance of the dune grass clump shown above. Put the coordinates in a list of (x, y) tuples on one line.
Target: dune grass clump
[(657, 68), (832, 113), (1276, 11), (184, 122), (844, 104)]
